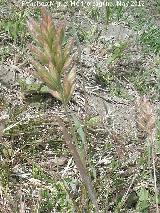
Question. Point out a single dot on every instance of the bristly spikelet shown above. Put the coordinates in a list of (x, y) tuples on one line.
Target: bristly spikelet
[(146, 115), (147, 122), (51, 58)]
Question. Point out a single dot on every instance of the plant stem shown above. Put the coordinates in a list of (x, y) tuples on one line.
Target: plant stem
[(80, 166), (70, 124), (83, 86)]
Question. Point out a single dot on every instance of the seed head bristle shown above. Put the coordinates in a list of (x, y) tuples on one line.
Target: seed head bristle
[(146, 115), (51, 57)]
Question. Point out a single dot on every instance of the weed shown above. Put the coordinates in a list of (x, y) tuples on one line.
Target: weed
[(114, 11), (145, 26), (151, 38), (143, 201), (51, 60), (117, 53), (15, 26), (95, 14), (54, 197), (86, 35)]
